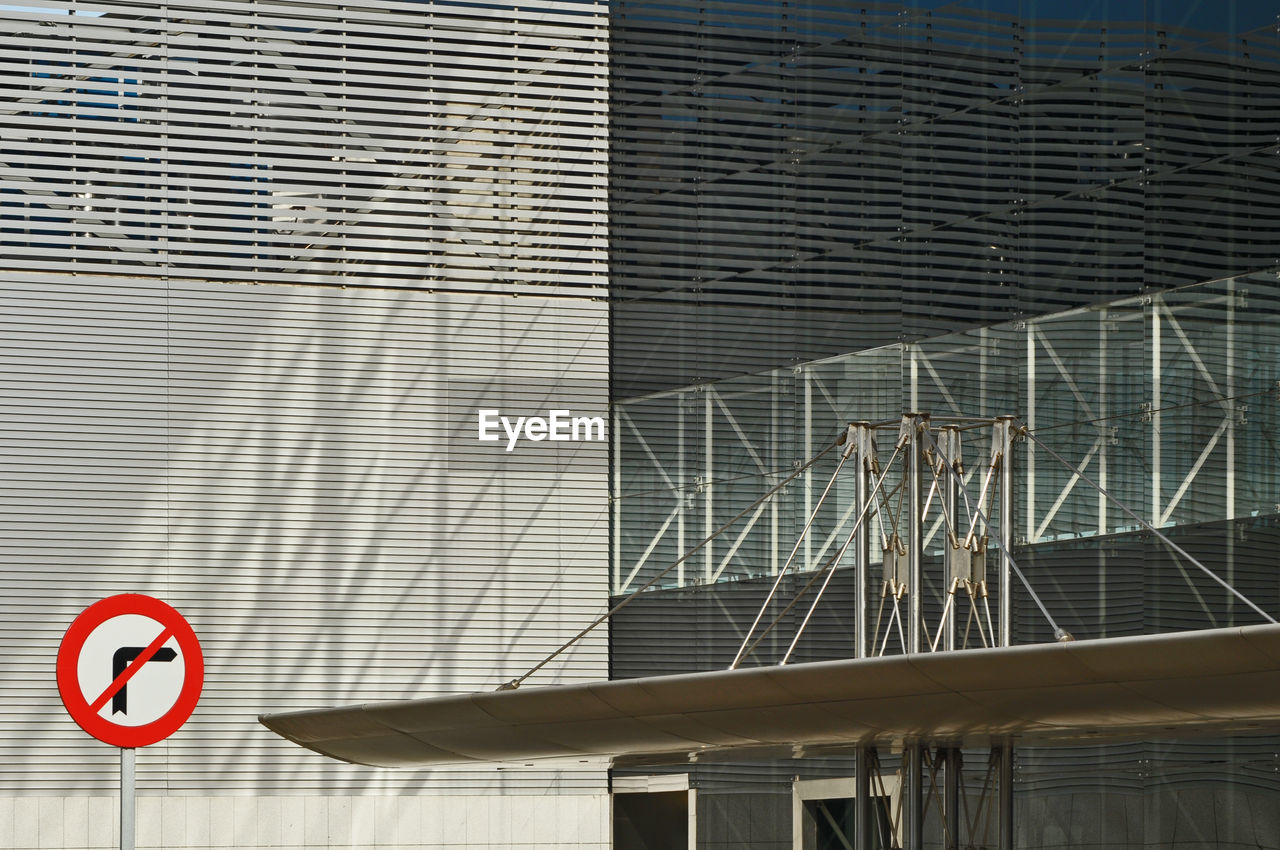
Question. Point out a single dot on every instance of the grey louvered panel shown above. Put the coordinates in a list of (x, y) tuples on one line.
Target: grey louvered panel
[(899, 171), (242, 141), (296, 470)]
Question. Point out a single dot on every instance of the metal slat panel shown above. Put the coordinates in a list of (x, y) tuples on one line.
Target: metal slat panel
[(244, 142), (297, 470), (958, 163)]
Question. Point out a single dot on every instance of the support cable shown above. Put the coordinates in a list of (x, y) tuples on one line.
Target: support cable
[(850, 448), (774, 623), (982, 585), (1059, 633), (827, 569), (988, 800), (901, 490), (831, 570), (885, 510), (982, 500), (936, 763), (880, 615), (1148, 526), (516, 682), (949, 525)]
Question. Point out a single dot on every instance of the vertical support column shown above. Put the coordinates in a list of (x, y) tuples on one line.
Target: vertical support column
[(774, 455), (617, 501), (952, 448), (1229, 390), (708, 521), (984, 345), (913, 361), (1104, 394), (1030, 460), (861, 549), (681, 482), (128, 801), (1156, 359), (863, 821), (915, 597), (951, 797), (1005, 812), (912, 798), (691, 822), (1005, 426), (808, 453)]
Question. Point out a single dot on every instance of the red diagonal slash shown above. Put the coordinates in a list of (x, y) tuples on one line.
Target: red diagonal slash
[(134, 667)]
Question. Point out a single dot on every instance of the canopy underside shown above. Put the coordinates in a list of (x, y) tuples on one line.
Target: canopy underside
[(1135, 687)]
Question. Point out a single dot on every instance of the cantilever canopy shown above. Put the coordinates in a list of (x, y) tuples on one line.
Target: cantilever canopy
[(1147, 686)]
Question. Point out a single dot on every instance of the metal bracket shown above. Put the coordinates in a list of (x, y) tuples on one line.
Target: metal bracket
[(867, 450), (968, 564), (906, 430), (896, 569)]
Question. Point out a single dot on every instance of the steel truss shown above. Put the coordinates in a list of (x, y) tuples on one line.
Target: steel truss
[(1110, 384), (926, 792), (692, 487), (919, 494), (1174, 472), (929, 498)]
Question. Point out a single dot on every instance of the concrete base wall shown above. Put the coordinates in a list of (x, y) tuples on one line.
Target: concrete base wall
[(333, 823)]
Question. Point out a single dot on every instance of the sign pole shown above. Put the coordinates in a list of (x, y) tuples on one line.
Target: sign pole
[(119, 636), (99, 661), (128, 805)]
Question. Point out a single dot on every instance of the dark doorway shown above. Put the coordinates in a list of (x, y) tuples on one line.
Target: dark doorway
[(829, 824), (651, 821)]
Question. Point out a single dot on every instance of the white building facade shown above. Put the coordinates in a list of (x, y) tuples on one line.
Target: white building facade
[(262, 266)]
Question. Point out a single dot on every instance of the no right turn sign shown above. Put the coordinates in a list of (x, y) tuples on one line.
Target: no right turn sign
[(130, 670)]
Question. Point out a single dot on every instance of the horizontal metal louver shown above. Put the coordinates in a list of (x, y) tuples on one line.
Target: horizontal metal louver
[(444, 145), (297, 470), (790, 183)]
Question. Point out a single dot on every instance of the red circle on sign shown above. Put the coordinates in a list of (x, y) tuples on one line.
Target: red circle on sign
[(79, 706)]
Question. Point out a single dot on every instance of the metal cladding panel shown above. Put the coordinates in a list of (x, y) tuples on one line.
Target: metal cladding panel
[(792, 181), (297, 470), (1219, 679), (441, 145)]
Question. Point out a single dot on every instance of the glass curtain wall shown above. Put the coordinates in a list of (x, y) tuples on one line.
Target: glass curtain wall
[(1166, 401)]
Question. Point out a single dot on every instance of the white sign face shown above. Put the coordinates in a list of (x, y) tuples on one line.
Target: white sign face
[(110, 650)]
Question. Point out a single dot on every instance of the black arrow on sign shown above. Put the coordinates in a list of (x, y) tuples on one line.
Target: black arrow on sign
[(123, 656)]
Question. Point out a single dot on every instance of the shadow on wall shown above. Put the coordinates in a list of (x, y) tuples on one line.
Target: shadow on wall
[(297, 471)]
